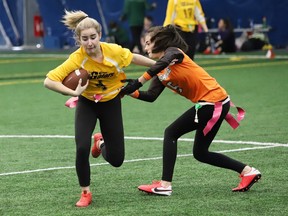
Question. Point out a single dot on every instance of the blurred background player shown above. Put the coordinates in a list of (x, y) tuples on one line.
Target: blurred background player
[(224, 39), (117, 34), (135, 11), (186, 15)]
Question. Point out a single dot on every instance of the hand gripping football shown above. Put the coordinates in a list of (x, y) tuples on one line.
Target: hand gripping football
[(71, 81)]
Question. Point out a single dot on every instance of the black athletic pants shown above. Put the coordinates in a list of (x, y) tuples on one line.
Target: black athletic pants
[(184, 124), (109, 115), (191, 39), (136, 32)]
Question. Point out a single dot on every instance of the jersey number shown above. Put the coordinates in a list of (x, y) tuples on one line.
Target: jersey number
[(101, 85), (174, 87), (188, 13)]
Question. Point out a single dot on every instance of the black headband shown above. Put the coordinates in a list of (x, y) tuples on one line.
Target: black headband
[(82, 18)]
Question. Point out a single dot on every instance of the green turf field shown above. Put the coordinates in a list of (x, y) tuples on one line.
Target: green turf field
[(37, 174)]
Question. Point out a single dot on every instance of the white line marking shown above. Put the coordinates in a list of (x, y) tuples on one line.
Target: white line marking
[(131, 161), (147, 138), (240, 56), (36, 136), (39, 55)]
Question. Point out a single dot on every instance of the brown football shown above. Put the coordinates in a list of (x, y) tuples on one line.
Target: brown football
[(71, 81)]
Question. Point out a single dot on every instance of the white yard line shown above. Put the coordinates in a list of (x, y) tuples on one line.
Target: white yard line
[(262, 146), (147, 138)]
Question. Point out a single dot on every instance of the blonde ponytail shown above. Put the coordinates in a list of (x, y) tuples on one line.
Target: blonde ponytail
[(72, 18)]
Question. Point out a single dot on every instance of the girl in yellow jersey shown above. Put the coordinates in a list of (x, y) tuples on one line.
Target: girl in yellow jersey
[(105, 63), (175, 70)]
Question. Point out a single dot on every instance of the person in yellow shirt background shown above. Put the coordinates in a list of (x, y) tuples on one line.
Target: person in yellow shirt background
[(186, 15)]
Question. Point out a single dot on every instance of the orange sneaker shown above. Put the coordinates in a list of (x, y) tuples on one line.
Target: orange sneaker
[(85, 199), (247, 180), (156, 188), (96, 150)]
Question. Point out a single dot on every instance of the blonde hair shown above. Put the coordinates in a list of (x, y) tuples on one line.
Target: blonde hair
[(77, 21)]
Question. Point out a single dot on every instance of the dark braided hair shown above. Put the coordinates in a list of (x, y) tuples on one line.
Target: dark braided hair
[(165, 37)]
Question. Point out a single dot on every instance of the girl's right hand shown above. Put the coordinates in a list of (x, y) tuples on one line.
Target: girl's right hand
[(78, 91)]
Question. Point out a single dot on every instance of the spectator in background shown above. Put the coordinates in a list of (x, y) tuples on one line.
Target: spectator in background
[(186, 15), (148, 23), (255, 40), (117, 34), (135, 11), (224, 39)]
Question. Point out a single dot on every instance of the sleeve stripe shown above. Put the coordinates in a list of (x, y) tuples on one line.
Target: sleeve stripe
[(135, 94), (147, 76)]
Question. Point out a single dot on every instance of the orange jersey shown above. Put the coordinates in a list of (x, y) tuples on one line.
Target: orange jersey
[(186, 77)]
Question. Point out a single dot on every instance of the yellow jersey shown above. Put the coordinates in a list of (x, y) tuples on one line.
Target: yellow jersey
[(105, 78), (185, 14)]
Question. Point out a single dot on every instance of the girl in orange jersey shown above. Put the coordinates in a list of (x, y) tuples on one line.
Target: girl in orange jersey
[(177, 71), (99, 99)]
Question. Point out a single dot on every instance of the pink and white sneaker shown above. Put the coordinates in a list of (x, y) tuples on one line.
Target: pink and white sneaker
[(247, 180), (156, 188)]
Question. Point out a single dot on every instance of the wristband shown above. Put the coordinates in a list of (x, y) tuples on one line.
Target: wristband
[(135, 94), (147, 76)]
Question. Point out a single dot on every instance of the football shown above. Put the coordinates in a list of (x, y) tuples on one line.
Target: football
[(71, 81)]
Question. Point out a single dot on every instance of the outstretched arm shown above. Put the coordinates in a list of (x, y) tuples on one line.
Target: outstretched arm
[(142, 60), (152, 93), (172, 55)]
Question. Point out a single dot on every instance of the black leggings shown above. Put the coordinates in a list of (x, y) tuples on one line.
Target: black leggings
[(184, 124), (136, 32), (191, 39), (109, 115)]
